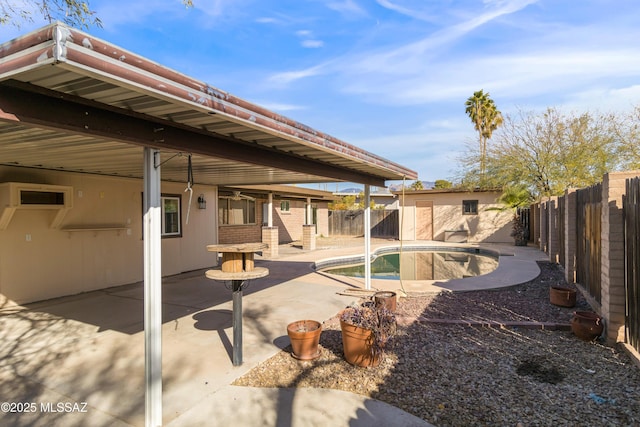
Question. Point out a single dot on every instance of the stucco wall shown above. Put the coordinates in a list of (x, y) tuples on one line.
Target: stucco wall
[(39, 262), (490, 225)]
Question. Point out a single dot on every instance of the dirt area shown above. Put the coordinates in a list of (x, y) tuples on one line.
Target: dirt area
[(453, 375)]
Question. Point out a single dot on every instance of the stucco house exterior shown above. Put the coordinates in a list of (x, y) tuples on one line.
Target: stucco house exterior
[(454, 216)]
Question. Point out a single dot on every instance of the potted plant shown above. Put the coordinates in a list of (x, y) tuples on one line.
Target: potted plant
[(366, 330), (305, 338)]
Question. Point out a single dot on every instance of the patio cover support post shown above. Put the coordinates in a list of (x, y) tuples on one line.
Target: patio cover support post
[(308, 218), (270, 210), (152, 289), (367, 236)]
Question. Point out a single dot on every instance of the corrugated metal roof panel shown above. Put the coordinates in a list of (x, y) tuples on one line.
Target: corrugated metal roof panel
[(119, 79)]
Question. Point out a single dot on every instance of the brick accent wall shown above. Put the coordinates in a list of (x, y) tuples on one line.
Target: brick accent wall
[(289, 223), (251, 233)]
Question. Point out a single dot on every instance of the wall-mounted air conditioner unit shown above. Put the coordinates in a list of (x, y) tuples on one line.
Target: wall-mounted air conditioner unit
[(20, 195)]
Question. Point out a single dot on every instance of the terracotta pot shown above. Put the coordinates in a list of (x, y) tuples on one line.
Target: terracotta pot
[(586, 325), (305, 337), (563, 297), (386, 299), (357, 345)]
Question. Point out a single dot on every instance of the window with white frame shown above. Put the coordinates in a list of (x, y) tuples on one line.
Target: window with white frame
[(285, 206), (236, 211), (171, 215)]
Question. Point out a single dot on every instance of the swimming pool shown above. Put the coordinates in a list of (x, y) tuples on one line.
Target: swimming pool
[(417, 264)]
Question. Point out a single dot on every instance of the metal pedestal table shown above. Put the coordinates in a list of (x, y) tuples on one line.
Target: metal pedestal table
[(238, 268)]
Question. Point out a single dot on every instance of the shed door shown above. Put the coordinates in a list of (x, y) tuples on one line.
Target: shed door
[(424, 220)]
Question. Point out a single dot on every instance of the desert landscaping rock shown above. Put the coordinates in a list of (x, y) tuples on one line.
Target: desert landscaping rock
[(455, 375)]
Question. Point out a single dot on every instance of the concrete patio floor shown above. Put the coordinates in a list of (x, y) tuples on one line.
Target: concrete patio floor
[(86, 351)]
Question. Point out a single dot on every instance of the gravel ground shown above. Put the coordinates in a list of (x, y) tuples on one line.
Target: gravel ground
[(452, 375)]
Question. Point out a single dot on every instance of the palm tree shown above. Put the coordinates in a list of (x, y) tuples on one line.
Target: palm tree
[(486, 118)]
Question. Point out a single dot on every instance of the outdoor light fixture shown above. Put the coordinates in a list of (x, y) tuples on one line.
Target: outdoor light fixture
[(202, 203)]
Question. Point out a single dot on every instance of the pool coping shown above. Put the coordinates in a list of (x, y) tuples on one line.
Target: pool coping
[(516, 264)]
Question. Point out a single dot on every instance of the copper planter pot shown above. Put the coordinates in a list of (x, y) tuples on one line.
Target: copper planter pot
[(305, 339), (586, 325), (357, 344), (563, 297), (386, 299)]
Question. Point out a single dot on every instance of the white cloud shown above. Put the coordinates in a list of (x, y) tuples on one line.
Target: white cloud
[(314, 44), (288, 77), (348, 8), (267, 20)]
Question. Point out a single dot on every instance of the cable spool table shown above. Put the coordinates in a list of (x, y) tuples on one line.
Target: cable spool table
[(238, 268)]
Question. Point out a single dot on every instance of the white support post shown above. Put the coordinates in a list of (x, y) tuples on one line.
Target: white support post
[(270, 210), (152, 229), (308, 220), (367, 237)]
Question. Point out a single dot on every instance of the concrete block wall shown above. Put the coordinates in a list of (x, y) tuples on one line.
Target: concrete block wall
[(270, 237), (309, 237), (612, 247), (612, 276)]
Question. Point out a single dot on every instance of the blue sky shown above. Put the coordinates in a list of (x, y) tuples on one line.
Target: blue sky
[(391, 76)]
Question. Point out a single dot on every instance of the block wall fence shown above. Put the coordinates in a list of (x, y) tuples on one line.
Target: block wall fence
[(551, 236)]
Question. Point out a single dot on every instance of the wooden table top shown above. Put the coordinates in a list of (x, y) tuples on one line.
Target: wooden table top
[(238, 247)]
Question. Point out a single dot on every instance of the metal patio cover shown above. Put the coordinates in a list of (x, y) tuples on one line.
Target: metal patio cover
[(72, 102)]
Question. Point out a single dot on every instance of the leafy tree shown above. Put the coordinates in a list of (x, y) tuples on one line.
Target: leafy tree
[(627, 131), (345, 203), (514, 197), (416, 185), (485, 118), (442, 183), (76, 13), (550, 152)]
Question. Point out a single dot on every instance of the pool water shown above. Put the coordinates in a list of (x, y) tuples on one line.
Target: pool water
[(423, 265)]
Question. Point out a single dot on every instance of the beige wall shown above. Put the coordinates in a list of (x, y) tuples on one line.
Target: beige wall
[(39, 262), (488, 225)]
